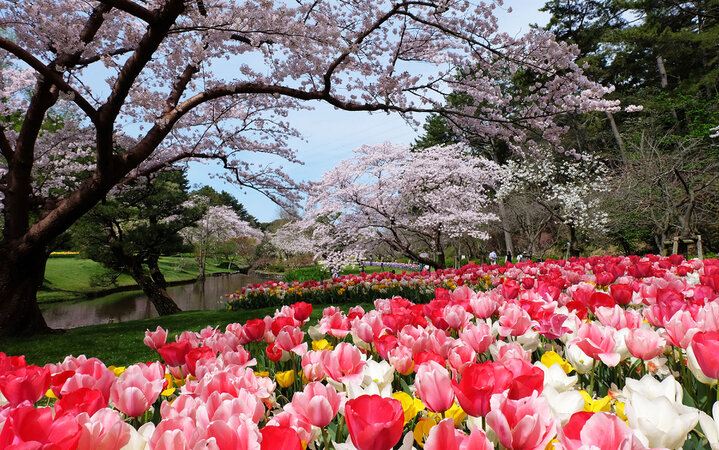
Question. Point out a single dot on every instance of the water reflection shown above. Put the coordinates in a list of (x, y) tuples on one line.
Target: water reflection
[(131, 305)]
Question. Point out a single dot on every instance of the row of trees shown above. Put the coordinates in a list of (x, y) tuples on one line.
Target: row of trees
[(631, 179)]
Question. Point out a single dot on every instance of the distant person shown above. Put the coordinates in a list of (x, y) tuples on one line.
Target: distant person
[(520, 257), (508, 258), (492, 257)]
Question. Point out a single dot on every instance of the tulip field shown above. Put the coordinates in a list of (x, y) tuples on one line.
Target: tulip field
[(591, 353)]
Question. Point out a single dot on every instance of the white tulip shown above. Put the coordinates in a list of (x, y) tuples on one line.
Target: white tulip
[(581, 362), (710, 426), (555, 377), (660, 422)]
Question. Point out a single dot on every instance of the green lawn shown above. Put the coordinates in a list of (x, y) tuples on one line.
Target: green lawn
[(120, 344), (77, 278)]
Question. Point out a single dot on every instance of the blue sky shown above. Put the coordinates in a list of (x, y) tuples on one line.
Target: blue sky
[(331, 135)]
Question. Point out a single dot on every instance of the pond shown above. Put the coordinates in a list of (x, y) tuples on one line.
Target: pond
[(131, 305)]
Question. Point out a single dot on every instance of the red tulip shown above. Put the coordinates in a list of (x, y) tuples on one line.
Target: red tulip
[(280, 437), (25, 384), (510, 289), (385, 344), (30, 428), (274, 353), (621, 293), (8, 363), (197, 354), (254, 330), (174, 353), (478, 383), (302, 311), (374, 422), (82, 400)]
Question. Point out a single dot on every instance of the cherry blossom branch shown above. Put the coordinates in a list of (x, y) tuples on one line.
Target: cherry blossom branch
[(133, 9), (50, 75)]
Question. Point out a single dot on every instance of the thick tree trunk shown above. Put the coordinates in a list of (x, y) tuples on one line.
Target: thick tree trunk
[(573, 250), (155, 272), (20, 279), (164, 304), (508, 244)]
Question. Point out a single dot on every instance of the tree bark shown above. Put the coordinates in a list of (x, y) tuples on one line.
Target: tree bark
[(164, 304), (20, 278), (155, 272)]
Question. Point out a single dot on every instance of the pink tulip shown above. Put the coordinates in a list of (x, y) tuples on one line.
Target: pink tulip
[(312, 365), (600, 430), (705, 346), (434, 386), (513, 320), (234, 433), (455, 316), (336, 325), (175, 433), (103, 430), (290, 339), (374, 422), (644, 343), (680, 329), (526, 423), (478, 337), (92, 374), (133, 394), (401, 359), (483, 305), (597, 343), (445, 437), (317, 403), (344, 364), (460, 356), (155, 339)]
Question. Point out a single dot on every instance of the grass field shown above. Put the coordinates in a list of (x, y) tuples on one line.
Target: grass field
[(120, 344), (77, 278)]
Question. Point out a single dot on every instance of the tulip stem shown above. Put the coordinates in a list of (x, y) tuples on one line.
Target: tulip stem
[(340, 428), (591, 379), (325, 437)]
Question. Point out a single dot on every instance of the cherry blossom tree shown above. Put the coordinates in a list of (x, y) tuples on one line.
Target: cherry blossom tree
[(218, 226), (389, 196), (569, 188), (150, 83)]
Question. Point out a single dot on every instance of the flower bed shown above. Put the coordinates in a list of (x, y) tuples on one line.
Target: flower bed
[(605, 352), (364, 287)]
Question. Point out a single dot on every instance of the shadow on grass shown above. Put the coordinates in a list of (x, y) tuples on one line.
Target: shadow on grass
[(120, 344)]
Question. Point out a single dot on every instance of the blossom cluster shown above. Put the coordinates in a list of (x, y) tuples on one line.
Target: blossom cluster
[(607, 353)]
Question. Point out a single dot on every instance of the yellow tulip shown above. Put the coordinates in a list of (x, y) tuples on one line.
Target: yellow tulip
[(550, 358), (619, 410), (421, 431), (117, 370), (411, 405), (322, 344), (285, 379), (600, 404)]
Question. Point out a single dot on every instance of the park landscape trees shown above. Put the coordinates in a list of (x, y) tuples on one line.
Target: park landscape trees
[(386, 195), (147, 85)]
